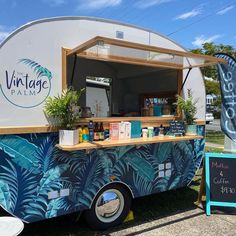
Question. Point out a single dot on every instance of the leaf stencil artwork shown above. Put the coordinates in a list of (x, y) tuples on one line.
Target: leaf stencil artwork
[(51, 176), (53, 207), (4, 195), (162, 151), (143, 167), (38, 69), (22, 152)]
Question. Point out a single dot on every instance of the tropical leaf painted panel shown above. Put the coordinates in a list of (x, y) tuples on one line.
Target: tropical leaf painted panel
[(50, 177), (31, 166), (21, 151), (4, 195), (162, 151), (141, 166)]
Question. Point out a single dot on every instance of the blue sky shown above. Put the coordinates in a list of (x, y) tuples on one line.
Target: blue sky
[(188, 22)]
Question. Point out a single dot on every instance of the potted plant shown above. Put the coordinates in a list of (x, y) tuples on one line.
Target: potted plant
[(64, 111), (188, 106)]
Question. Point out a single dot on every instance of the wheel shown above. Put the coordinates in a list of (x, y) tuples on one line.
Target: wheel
[(109, 208)]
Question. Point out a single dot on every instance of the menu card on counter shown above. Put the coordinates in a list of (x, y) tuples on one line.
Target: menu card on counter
[(177, 128), (220, 180)]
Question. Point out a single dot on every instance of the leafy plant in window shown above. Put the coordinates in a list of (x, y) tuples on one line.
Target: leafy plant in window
[(64, 110)]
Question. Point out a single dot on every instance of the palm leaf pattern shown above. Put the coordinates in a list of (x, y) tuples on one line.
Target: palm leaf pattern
[(4, 194), (38, 69), (31, 167), (21, 151)]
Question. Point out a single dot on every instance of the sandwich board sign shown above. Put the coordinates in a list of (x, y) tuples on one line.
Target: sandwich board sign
[(220, 180)]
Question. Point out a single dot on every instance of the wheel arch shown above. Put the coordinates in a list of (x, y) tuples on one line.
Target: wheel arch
[(119, 183)]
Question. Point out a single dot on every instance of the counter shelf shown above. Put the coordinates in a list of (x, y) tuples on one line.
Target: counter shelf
[(132, 141)]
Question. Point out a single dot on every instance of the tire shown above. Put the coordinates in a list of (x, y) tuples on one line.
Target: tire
[(111, 212)]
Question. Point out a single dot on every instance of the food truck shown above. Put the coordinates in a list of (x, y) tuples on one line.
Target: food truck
[(40, 179)]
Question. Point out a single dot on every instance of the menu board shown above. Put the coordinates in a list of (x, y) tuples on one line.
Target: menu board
[(220, 180), (177, 128)]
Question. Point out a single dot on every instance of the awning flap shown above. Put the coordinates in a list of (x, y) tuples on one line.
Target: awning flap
[(114, 50)]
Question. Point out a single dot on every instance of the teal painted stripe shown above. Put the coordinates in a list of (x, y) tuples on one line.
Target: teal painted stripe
[(208, 206), (220, 155), (224, 204)]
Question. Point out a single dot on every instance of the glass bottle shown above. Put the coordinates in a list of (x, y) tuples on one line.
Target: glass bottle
[(91, 131), (96, 132), (85, 134), (101, 132), (80, 130), (161, 130)]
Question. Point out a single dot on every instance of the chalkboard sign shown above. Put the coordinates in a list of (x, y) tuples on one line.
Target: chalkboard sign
[(177, 128), (220, 180)]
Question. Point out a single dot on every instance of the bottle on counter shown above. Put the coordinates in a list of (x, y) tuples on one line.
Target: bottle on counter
[(96, 132), (91, 131), (106, 133), (85, 134), (80, 130), (101, 132), (151, 111), (161, 130)]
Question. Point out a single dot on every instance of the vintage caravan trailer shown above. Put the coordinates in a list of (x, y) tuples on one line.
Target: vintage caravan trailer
[(38, 178)]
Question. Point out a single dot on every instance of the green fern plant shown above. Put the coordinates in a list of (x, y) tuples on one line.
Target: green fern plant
[(64, 108), (188, 106)]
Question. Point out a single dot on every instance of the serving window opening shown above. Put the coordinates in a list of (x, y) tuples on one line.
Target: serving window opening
[(140, 75)]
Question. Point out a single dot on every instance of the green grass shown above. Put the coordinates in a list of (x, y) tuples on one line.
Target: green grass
[(212, 149), (215, 137)]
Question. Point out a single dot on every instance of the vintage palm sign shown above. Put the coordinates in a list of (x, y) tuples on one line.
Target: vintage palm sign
[(27, 85)]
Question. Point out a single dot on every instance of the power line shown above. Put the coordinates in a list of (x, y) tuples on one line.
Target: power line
[(201, 19)]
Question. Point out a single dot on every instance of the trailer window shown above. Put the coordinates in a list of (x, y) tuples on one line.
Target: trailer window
[(98, 95)]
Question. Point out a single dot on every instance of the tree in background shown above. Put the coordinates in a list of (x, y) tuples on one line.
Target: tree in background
[(213, 87), (210, 49)]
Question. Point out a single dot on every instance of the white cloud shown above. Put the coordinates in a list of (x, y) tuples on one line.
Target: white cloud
[(150, 3), (98, 4), (199, 40), (225, 10), (3, 35), (55, 3), (186, 15), (5, 31)]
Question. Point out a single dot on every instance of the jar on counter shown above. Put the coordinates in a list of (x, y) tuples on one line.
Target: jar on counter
[(150, 132), (86, 112), (145, 133)]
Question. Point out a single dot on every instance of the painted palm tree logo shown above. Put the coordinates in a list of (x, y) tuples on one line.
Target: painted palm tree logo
[(27, 87), (38, 69)]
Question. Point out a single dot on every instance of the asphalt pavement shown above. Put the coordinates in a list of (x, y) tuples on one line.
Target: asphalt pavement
[(215, 125), (189, 223)]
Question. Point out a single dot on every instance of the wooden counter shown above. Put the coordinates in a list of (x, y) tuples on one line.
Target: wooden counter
[(133, 141)]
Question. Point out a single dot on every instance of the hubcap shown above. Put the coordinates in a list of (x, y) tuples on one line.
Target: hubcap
[(109, 205)]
